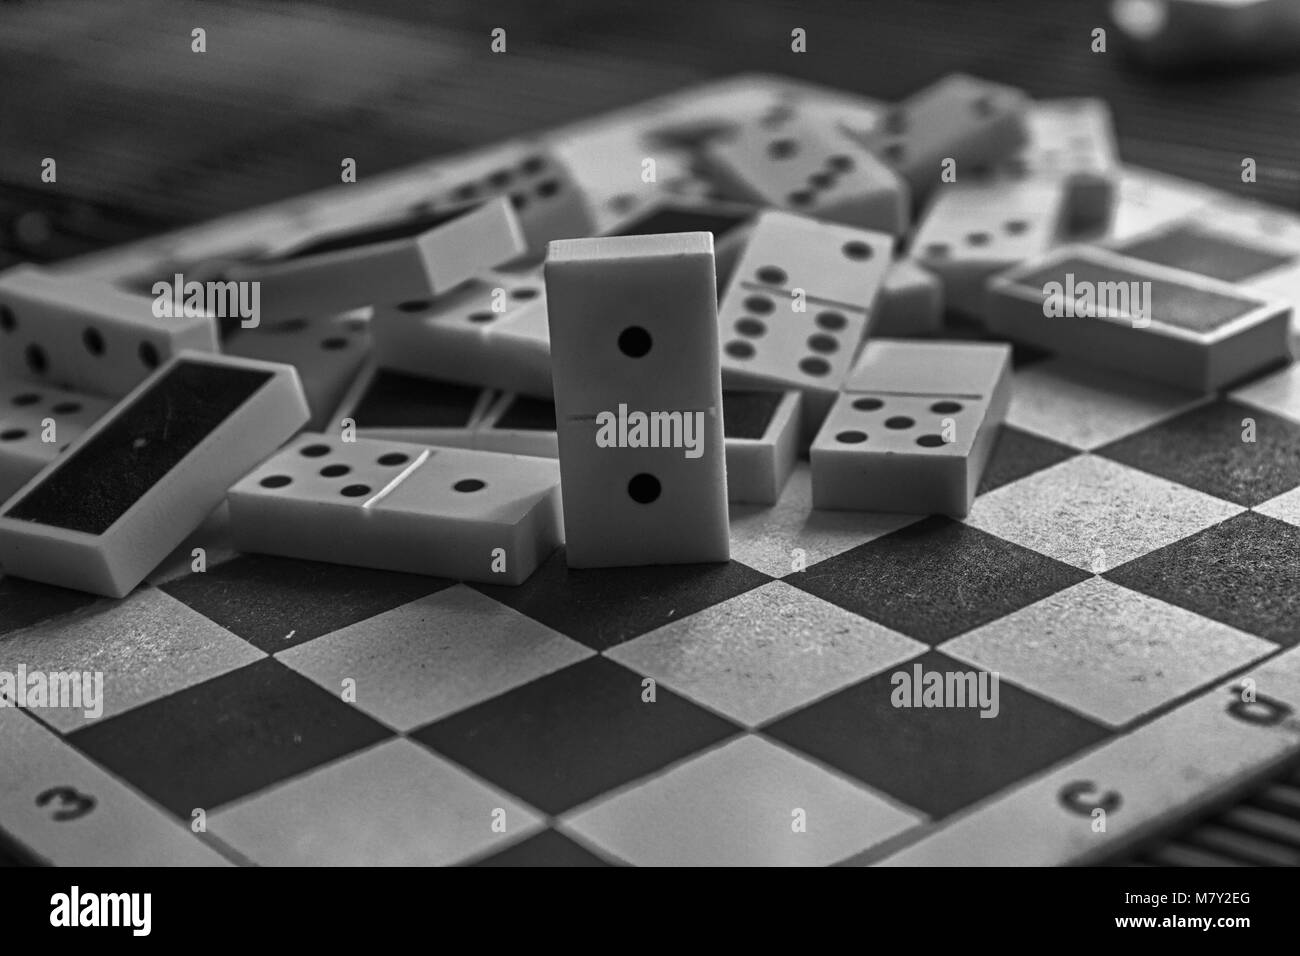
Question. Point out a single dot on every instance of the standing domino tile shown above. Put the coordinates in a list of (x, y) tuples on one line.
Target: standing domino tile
[(417, 257), (327, 351), (969, 120), (104, 513), (31, 413), (910, 303), (797, 308), (972, 231), (790, 162), (86, 335), (914, 428), (633, 324), (394, 406), (455, 513), (1155, 322)]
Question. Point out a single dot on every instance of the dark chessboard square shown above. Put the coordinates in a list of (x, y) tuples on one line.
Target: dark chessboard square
[(937, 759), (24, 603), (603, 607), (566, 738), (547, 848), (1017, 454), (935, 579), (1244, 572), (1203, 449), (228, 737), (275, 603)]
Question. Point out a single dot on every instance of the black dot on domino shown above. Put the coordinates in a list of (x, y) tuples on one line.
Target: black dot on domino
[(644, 488), (821, 342), (750, 326), (634, 341), (314, 451), (945, 408), (8, 322), (467, 485), (858, 251), (149, 354), (813, 365), (739, 350), (26, 398), (355, 491), (482, 318), (415, 305), (393, 458), (12, 434), (899, 422), (66, 408), (93, 341), (831, 321), (930, 441), (334, 471), (275, 481), (782, 148), (867, 404), (36, 360), (771, 275), (851, 437), (334, 343)]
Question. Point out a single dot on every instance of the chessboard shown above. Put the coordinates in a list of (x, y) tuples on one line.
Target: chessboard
[(1128, 569)]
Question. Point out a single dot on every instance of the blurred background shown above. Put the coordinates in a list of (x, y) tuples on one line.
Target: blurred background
[(149, 135)]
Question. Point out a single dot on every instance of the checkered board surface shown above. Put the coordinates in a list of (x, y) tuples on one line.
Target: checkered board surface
[(1130, 563)]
